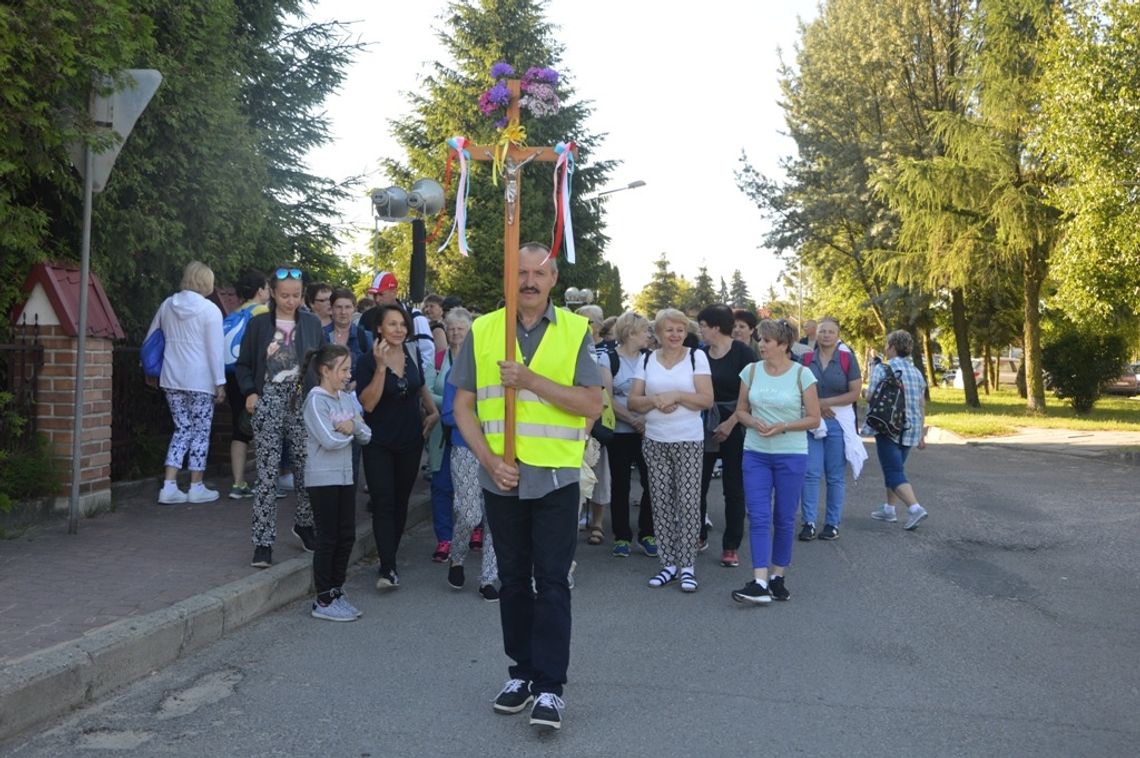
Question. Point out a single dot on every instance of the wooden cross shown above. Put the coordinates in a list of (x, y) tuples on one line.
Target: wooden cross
[(516, 158)]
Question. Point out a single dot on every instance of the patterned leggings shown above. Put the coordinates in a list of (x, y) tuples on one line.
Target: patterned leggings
[(193, 414), (675, 492), (277, 416), (468, 512)]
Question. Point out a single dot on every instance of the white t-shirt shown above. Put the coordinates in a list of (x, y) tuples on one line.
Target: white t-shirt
[(682, 425)]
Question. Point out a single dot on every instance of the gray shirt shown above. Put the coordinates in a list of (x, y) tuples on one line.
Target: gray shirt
[(534, 481), (832, 381)]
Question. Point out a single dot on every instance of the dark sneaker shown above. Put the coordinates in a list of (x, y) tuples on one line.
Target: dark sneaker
[(648, 545), (476, 541), (262, 557), (829, 532), (807, 534), (547, 711), (389, 580), (777, 589), (621, 549), (489, 593), (730, 559), (307, 535), (753, 593), (455, 577), (514, 697)]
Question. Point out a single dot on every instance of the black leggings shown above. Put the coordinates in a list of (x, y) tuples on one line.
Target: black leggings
[(625, 450), (334, 515), (732, 479)]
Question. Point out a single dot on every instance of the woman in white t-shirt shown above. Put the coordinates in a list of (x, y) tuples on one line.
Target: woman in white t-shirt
[(777, 396), (671, 387)]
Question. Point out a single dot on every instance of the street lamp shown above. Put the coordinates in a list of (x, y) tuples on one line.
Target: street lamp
[(632, 185)]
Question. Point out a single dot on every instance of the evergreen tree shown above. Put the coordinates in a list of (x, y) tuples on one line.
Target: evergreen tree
[(738, 292), (477, 34), (663, 290), (703, 292)]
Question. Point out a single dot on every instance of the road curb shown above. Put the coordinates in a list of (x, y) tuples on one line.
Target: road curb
[(49, 683)]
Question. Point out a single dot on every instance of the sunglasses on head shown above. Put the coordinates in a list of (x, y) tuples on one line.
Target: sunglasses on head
[(288, 273)]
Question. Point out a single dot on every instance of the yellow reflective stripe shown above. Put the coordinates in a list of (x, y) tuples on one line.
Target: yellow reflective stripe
[(496, 391), (542, 431)]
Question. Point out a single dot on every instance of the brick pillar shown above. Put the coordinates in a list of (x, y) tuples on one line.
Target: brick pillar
[(55, 412)]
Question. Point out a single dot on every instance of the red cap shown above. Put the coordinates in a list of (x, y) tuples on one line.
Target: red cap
[(382, 282)]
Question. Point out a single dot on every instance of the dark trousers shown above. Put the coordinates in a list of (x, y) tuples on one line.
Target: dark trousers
[(535, 538), (732, 479), (390, 476), (624, 450), (334, 517)]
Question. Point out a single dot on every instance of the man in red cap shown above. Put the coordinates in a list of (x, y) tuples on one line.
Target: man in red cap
[(383, 289)]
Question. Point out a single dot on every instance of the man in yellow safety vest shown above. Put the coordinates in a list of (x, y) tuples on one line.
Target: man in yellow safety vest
[(531, 503)]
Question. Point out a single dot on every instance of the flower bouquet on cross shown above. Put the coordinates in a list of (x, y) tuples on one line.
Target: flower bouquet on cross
[(539, 96)]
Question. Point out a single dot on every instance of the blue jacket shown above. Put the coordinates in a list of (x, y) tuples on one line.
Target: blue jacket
[(447, 414)]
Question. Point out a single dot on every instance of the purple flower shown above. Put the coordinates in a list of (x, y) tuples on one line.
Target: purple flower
[(485, 104), (501, 70), (535, 74), (499, 95), (499, 124)]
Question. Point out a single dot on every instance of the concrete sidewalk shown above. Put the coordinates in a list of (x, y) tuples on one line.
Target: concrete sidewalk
[(1111, 446), (136, 589)]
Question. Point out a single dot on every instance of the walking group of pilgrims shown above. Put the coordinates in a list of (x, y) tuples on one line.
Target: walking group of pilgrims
[(327, 387)]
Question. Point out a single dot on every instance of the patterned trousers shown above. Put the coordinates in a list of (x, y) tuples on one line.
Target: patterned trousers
[(277, 416), (193, 414), (675, 493), (468, 513)]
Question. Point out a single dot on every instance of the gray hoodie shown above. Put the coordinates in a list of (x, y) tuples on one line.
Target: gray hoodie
[(330, 452)]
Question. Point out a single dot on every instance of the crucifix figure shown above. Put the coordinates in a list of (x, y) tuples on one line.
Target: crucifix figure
[(514, 160)]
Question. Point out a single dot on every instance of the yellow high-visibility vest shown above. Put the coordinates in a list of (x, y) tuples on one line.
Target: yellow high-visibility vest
[(545, 435)]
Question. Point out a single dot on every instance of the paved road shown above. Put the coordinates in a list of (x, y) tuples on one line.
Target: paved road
[(1007, 625)]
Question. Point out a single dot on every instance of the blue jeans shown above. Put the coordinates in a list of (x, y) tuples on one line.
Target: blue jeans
[(825, 457), (892, 458), (771, 528), (442, 496)]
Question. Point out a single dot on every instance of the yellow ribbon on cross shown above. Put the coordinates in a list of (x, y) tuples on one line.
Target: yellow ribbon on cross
[(512, 134)]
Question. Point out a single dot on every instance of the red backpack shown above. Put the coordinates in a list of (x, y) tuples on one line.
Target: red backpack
[(844, 359)]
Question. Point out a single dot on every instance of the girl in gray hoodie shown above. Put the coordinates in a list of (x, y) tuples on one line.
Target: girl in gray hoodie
[(333, 421)]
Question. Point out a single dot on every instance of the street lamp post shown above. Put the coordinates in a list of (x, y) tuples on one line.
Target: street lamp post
[(632, 185)]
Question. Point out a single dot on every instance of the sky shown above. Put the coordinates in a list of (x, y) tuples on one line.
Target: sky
[(678, 94)]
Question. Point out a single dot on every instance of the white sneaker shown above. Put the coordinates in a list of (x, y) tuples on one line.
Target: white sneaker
[(172, 495), (202, 494)]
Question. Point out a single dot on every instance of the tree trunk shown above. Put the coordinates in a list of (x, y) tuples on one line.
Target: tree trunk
[(1033, 278), (916, 358), (988, 377), (962, 340), (928, 347)]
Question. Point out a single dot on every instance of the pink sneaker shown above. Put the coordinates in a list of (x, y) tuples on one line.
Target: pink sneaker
[(476, 542), (729, 559), (442, 552)]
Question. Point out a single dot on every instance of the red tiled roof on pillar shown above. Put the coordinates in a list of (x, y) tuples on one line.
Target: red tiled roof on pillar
[(59, 284)]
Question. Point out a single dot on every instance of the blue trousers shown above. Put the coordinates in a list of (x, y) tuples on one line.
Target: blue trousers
[(442, 498), (892, 459), (772, 485), (826, 457)]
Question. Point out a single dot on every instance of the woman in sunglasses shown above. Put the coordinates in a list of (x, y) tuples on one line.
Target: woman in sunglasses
[(268, 372), (399, 408)]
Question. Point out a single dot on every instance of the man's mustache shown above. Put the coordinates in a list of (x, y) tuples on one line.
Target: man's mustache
[(528, 290)]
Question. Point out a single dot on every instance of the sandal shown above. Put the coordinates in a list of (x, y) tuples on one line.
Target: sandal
[(597, 536), (688, 581), (665, 577)]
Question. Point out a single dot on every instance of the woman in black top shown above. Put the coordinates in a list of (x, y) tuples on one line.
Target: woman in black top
[(727, 358), (398, 407)]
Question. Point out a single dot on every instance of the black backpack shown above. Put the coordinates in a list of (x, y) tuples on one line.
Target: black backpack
[(886, 410)]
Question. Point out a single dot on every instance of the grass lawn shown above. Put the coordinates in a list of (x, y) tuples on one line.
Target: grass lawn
[(1003, 412)]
